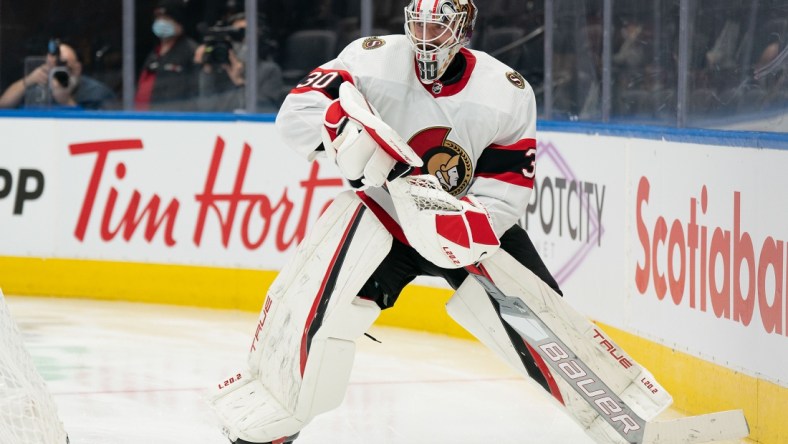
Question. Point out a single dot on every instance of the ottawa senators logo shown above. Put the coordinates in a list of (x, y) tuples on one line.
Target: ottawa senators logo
[(516, 79), (372, 43), (444, 159)]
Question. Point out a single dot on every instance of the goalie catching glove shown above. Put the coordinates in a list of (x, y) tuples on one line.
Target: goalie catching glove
[(449, 232), (362, 145)]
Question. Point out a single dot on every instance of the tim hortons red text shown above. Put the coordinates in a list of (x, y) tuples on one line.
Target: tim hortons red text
[(259, 213)]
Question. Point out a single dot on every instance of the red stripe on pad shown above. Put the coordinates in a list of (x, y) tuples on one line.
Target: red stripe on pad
[(385, 218), (546, 372), (319, 296), (540, 364)]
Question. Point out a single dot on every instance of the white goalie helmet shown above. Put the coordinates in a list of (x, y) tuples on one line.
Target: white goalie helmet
[(437, 29)]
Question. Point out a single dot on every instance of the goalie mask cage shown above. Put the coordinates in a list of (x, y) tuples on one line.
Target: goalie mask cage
[(28, 414)]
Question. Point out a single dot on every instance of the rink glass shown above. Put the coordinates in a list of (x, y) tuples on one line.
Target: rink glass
[(688, 63)]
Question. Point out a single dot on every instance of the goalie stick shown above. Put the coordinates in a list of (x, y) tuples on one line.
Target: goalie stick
[(628, 424), (603, 396)]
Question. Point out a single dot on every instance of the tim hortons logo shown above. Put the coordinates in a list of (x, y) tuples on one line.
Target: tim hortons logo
[(259, 214)]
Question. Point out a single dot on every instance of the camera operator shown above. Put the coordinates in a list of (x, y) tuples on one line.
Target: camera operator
[(58, 82), (222, 79)]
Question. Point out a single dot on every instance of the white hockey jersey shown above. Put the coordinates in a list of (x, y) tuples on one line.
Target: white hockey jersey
[(476, 135)]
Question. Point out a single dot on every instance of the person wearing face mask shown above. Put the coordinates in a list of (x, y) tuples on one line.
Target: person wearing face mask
[(168, 78), (58, 82), (221, 79)]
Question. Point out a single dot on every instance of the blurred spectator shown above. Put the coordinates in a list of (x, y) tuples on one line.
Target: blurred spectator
[(771, 69), (723, 54), (168, 80), (58, 82), (222, 56), (771, 56), (631, 53)]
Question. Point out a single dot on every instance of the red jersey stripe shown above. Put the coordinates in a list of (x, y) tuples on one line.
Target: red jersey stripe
[(522, 144), (391, 225)]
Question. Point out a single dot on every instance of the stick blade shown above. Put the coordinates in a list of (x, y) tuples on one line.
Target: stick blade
[(711, 427)]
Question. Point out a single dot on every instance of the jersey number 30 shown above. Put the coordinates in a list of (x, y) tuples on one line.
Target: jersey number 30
[(318, 79)]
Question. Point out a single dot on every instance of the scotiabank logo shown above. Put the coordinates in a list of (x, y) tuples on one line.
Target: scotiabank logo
[(248, 217), (705, 267)]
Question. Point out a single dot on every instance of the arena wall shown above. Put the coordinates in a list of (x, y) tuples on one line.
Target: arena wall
[(674, 241)]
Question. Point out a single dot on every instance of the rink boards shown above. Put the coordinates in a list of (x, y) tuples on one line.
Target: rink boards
[(674, 241)]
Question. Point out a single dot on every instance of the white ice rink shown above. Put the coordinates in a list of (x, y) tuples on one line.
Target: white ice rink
[(124, 373)]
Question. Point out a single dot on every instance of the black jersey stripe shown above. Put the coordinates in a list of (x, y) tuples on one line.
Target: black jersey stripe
[(509, 163)]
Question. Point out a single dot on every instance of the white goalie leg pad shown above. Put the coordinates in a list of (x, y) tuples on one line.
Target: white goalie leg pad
[(470, 307), (632, 383), (303, 346)]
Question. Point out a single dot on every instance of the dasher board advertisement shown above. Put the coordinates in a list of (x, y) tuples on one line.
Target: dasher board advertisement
[(225, 194), (680, 243)]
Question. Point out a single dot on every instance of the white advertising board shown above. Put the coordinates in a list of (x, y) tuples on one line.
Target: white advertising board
[(708, 253), (225, 194), (576, 219), (681, 243), (684, 245)]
